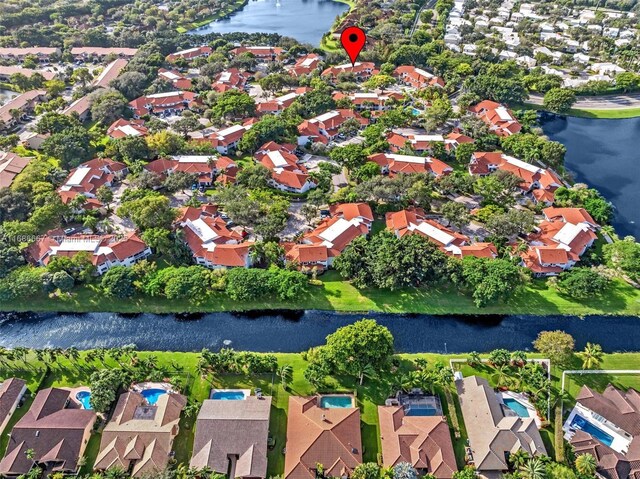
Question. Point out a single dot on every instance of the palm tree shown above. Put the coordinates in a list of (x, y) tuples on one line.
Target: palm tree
[(501, 376), (534, 469), (369, 372), (591, 356), (474, 359), (586, 465), (285, 373), (519, 458)]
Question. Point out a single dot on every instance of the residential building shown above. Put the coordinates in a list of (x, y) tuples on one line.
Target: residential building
[(110, 73), (80, 53), (231, 437), (393, 164), (277, 105), (540, 183), (177, 79), (497, 117), (24, 104), (230, 79), (12, 391), (106, 251), (418, 78), (607, 426), (265, 53), (325, 127), (43, 54), (318, 435), (56, 433), (164, 104), (286, 173), (80, 107), (225, 140), (494, 431), (559, 241), (122, 128), (360, 70), (422, 441), (139, 437), (11, 165), (374, 101), (87, 178), (190, 54), (7, 71), (305, 65)]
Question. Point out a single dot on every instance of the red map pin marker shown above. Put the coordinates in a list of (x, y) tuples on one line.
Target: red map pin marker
[(353, 40)]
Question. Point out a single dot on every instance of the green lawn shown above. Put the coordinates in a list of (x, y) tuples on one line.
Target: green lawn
[(610, 113), (335, 294)]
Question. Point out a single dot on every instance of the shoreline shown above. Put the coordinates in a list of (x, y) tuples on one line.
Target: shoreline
[(337, 295), (188, 28)]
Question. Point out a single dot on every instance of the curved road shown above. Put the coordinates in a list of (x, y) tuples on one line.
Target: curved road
[(603, 102)]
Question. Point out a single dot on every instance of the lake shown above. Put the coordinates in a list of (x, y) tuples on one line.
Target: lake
[(298, 331), (304, 20), (605, 154)]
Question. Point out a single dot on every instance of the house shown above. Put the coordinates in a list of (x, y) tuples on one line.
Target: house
[(265, 53), (393, 164), (225, 140), (230, 79), (139, 437), (360, 70), (422, 441), (12, 391), (277, 105), (56, 433), (231, 437), (110, 73), (203, 167), (11, 165), (494, 431), (122, 128), (190, 54), (319, 435), (43, 54), (353, 211), (286, 173), (7, 71), (455, 139), (307, 256), (175, 78), (559, 241), (80, 107), (375, 101), (540, 183), (23, 104), (305, 65), (212, 244), (607, 426), (418, 78), (325, 127), (81, 53), (106, 251), (87, 178), (497, 117), (164, 104)]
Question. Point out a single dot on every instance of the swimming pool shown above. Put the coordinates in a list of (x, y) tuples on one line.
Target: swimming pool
[(516, 406), (582, 424), (85, 399), (415, 112), (420, 411), (336, 401), (228, 395), (152, 394)]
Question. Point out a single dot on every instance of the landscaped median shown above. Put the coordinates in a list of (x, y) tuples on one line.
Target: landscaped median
[(332, 293)]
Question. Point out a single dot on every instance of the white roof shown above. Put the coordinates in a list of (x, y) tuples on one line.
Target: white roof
[(277, 159), (428, 138), (503, 113), (286, 97), (188, 50), (170, 75), (407, 159), (365, 95), (432, 232), (568, 233), (521, 164), (424, 73), (347, 65), (192, 158), (225, 76), (78, 176), (325, 116), (230, 130), (129, 130), (203, 230), (338, 228), (165, 95), (78, 244), (308, 61)]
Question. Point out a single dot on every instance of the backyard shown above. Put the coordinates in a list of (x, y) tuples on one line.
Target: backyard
[(66, 372)]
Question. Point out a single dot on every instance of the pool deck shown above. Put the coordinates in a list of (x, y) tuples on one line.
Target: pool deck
[(524, 401), (620, 442), (73, 392), (138, 387)]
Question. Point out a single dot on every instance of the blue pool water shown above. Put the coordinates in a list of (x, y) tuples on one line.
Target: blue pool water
[(416, 112), (336, 401), (420, 411), (584, 425), (228, 395), (152, 395), (85, 399), (516, 406)]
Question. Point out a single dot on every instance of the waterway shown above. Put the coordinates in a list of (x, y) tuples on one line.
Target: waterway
[(605, 154), (297, 331), (304, 20)]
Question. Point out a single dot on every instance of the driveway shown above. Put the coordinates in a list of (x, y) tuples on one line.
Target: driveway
[(296, 223)]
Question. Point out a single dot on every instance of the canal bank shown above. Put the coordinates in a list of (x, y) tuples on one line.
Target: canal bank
[(295, 331)]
